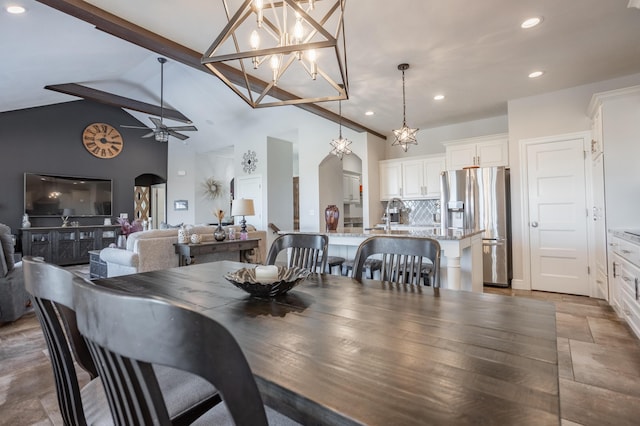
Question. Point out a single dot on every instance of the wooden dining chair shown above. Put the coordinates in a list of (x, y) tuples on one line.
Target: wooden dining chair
[(127, 334), (307, 251), (51, 289), (404, 259)]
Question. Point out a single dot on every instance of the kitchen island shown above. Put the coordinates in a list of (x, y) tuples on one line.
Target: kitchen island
[(461, 267)]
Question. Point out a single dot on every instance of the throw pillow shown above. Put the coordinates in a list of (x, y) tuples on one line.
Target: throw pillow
[(165, 225), (7, 246)]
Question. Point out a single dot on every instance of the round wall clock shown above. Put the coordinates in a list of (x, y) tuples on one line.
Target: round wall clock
[(249, 161), (102, 140)]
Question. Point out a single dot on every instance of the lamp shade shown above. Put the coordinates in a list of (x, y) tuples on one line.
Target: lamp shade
[(242, 207)]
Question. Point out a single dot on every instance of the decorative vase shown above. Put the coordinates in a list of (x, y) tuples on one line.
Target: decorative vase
[(183, 236), (196, 238), (25, 221), (219, 234), (122, 241), (331, 216)]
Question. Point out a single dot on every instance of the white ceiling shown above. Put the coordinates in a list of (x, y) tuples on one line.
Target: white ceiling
[(474, 52)]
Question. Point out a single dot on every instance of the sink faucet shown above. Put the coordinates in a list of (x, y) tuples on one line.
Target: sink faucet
[(387, 225)]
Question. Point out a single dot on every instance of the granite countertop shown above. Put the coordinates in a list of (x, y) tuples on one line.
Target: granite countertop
[(433, 232)]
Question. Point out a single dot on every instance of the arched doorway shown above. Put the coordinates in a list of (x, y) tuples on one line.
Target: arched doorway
[(340, 184)]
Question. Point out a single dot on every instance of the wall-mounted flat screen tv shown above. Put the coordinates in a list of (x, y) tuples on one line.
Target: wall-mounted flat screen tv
[(47, 195)]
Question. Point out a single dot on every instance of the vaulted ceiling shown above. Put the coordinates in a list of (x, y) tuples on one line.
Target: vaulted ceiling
[(475, 53)]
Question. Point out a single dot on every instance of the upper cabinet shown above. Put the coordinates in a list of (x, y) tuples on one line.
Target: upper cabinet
[(351, 188), (390, 179), (415, 179), (486, 151), (421, 178)]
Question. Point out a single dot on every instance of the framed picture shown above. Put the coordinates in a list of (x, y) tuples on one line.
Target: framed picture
[(181, 205)]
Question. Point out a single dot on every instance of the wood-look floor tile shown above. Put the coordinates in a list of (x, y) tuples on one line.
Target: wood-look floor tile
[(565, 365), (572, 326), (27, 411), (613, 332), (580, 309), (589, 405), (566, 422), (605, 366)]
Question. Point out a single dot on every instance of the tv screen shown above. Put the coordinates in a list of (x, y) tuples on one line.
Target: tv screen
[(47, 195)]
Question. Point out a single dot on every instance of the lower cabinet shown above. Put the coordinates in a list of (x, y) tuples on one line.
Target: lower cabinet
[(67, 245), (625, 279)]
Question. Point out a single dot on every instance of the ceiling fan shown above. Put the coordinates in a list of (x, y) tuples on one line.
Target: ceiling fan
[(162, 131)]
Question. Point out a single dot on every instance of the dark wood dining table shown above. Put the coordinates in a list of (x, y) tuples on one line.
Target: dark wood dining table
[(334, 350)]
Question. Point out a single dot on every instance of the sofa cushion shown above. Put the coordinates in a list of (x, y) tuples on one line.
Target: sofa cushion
[(6, 241)]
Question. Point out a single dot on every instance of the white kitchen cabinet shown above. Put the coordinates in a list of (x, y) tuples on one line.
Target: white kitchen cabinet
[(421, 177), (624, 250), (390, 179), (351, 189), (486, 151)]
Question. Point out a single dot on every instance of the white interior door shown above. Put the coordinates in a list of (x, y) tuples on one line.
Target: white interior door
[(250, 188), (558, 217)]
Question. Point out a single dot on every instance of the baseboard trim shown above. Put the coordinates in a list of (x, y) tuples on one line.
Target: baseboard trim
[(520, 285)]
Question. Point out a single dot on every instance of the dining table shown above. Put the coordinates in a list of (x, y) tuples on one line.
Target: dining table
[(337, 351)]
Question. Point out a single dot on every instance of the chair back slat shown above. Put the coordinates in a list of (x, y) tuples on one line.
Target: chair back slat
[(403, 259), (130, 332), (307, 251), (51, 291)]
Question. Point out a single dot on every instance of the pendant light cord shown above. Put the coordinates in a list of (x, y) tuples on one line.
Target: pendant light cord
[(404, 104)]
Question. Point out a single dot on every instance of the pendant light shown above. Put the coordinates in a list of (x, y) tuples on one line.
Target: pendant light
[(341, 145), (405, 135)]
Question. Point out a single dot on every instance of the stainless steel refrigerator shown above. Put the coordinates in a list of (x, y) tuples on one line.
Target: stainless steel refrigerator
[(478, 198)]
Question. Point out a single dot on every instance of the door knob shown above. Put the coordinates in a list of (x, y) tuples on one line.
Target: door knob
[(534, 224)]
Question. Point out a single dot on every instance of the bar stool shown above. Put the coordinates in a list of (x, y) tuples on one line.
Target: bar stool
[(333, 261), (371, 265)]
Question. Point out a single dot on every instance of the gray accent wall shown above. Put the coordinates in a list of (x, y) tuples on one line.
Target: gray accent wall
[(48, 140)]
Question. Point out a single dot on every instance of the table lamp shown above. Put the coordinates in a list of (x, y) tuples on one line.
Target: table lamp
[(242, 207)]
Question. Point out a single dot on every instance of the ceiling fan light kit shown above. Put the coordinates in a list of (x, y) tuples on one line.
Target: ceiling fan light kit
[(294, 49), (161, 132), (405, 135)]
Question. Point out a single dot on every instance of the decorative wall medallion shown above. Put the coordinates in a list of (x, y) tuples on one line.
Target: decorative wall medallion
[(211, 188), (249, 161)]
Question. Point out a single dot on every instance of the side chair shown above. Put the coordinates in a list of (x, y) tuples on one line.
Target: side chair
[(127, 334), (304, 251), (405, 260), (51, 289)]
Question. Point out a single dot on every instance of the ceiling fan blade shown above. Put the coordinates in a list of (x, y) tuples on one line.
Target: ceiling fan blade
[(148, 135), (134, 127), (183, 128), (178, 135), (156, 121)]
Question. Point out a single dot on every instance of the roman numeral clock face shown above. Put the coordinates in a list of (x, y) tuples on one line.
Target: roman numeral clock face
[(102, 140)]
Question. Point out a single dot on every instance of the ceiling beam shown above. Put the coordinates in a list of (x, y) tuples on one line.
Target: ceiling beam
[(117, 101), (139, 36)]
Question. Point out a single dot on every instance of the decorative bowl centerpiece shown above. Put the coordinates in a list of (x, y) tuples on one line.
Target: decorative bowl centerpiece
[(267, 281)]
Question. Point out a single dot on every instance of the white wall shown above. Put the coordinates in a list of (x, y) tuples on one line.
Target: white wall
[(219, 166), (181, 181), (550, 114), (279, 182)]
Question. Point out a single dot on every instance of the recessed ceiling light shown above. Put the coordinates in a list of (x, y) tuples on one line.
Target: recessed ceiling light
[(536, 74), (369, 113), (531, 22), (438, 97), (16, 10)]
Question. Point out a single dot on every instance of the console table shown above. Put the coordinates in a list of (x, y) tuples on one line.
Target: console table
[(67, 245), (188, 251)]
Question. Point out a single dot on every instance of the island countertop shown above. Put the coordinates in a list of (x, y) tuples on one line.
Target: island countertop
[(434, 232)]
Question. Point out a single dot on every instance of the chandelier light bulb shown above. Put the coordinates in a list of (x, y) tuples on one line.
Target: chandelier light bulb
[(275, 65), (258, 5), (298, 31), (254, 40)]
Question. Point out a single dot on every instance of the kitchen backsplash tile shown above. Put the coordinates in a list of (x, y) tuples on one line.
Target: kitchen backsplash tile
[(420, 212)]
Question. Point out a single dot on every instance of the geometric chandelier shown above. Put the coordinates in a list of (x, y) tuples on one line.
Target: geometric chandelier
[(405, 135), (282, 52)]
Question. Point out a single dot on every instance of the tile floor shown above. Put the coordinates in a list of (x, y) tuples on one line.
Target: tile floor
[(599, 366)]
